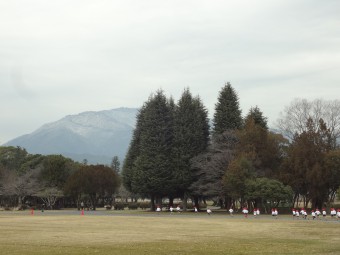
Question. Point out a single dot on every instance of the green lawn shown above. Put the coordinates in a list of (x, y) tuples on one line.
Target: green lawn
[(149, 233)]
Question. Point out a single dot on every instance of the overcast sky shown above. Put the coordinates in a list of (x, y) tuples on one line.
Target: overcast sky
[(68, 56)]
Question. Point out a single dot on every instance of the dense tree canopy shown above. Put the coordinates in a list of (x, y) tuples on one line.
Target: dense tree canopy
[(166, 137), (95, 181), (153, 167), (190, 138), (304, 168), (262, 191)]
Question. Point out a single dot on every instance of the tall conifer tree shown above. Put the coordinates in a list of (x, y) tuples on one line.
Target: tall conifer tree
[(191, 138), (152, 170), (227, 111), (133, 152)]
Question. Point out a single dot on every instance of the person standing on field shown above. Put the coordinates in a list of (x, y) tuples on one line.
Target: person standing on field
[(276, 213), (324, 213), (317, 213), (297, 214), (245, 212), (313, 214), (305, 214), (231, 211), (333, 212)]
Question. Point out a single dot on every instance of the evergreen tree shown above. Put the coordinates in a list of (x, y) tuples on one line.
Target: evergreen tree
[(133, 152), (191, 138), (256, 115), (227, 111), (115, 164), (153, 167)]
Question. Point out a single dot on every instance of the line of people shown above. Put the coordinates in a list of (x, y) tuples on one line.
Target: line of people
[(274, 212), (315, 213)]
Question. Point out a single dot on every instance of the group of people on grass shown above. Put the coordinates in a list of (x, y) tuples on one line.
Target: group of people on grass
[(256, 212), (315, 213), (178, 209), (274, 212)]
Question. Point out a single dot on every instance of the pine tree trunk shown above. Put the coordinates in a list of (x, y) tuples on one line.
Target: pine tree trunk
[(153, 203), (197, 204), (171, 201), (19, 201), (185, 202)]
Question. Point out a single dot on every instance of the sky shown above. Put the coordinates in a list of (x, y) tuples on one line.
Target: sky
[(69, 56)]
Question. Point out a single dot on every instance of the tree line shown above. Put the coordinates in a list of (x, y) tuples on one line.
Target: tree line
[(54, 181), (174, 153)]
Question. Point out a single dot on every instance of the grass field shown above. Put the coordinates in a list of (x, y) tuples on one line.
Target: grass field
[(149, 233)]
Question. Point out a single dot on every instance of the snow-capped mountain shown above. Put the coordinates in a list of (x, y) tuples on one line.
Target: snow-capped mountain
[(95, 136)]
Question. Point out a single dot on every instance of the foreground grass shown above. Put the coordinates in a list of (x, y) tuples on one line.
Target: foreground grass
[(153, 234)]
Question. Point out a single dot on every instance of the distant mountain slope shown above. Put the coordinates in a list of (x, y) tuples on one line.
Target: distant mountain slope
[(95, 136)]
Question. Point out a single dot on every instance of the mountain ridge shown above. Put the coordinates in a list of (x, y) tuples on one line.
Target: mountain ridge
[(98, 135)]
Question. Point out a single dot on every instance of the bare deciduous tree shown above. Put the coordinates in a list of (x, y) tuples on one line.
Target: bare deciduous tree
[(49, 195), (294, 117), (21, 186)]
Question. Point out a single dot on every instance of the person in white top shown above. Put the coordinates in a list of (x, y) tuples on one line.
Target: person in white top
[(195, 209), (313, 214), (171, 209), (297, 214), (338, 214), (324, 213), (231, 211), (294, 213), (303, 213), (209, 211), (178, 208), (254, 212), (317, 213), (245, 212), (258, 211), (158, 209), (333, 212), (276, 213)]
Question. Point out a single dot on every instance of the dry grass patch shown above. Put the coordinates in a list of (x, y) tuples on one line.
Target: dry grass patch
[(67, 234)]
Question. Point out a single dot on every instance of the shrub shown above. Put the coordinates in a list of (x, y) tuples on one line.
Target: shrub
[(133, 206), (7, 208), (108, 207), (119, 206), (23, 207), (144, 205)]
